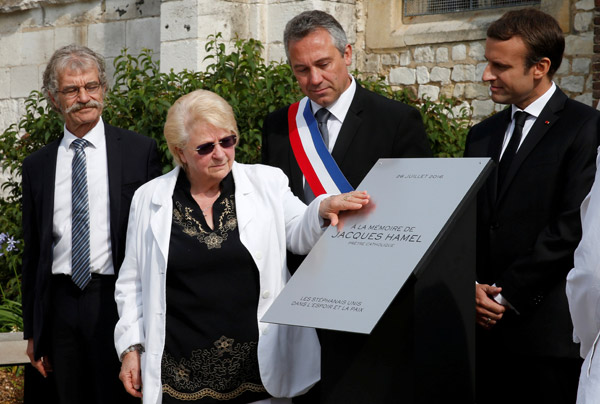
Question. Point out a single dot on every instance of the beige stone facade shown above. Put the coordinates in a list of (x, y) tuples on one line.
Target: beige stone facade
[(432, 55)]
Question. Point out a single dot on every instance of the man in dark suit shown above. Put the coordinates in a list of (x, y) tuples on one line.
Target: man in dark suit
[(528, 215), (360, 127), (76, 197), (363, 126)]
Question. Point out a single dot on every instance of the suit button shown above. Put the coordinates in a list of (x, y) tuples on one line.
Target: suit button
[(494, 226)]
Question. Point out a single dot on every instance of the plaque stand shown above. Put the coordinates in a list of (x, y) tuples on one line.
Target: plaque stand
[(407, 268), (422, 349)]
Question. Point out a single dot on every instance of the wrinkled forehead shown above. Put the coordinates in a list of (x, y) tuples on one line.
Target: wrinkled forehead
[(76, 66), (78, 76)]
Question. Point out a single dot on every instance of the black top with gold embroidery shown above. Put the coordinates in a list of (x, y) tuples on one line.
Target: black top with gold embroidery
[(212, 293)]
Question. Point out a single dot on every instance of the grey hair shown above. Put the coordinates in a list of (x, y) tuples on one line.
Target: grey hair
[(73, 57), (309, 21)]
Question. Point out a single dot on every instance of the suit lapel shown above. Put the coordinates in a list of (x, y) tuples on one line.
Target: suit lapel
[(48, 183), (244, 204), (543, 123), (296, 176), (161, 213), (113, 158), (494, 149), (293, 171), (349, 129)]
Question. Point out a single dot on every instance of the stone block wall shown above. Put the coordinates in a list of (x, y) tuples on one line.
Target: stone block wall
[(433, 62), (596, 57), (432, 58), (30, 31)]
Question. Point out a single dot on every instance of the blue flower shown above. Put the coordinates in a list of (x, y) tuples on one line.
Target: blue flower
[(10, 244), (3, 237)]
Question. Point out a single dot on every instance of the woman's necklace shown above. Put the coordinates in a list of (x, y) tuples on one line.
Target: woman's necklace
[(208, 208), (205, 211)]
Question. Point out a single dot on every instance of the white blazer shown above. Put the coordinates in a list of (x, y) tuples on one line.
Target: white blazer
[(270, 219), (583, 292)]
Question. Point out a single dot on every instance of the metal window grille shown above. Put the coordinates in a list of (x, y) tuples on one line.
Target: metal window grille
[(427, 7)]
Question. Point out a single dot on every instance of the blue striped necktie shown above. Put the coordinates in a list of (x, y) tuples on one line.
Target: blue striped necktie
[(80, 220)]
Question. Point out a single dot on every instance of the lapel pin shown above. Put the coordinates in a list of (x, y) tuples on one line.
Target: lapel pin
[(547, 122)]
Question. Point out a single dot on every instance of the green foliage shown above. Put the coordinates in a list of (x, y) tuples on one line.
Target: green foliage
[(139, 101), (141, 96), (11, 317), (447, 123)]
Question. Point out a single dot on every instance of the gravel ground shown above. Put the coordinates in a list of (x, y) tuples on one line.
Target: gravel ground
[(11, 386)]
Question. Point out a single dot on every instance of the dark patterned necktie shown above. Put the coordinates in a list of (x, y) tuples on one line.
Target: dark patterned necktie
[(513, 146), (80, 232)]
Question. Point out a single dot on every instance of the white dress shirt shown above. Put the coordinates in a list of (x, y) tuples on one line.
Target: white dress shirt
[(338, 111), (534, 110), (97, 176)]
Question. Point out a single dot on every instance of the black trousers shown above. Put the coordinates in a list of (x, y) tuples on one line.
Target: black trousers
[(505, 377), (85, 363)]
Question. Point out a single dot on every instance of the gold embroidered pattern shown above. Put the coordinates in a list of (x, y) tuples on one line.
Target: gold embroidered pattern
[(193, 228), (223, 372)]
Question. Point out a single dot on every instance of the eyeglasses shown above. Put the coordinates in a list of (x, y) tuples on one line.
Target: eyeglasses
[(73, 91), (208, 148)]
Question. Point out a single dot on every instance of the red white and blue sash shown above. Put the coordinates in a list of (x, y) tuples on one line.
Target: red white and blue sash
[(318, 166)]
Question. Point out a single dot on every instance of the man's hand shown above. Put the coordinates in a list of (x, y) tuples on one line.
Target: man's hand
[(42, 365), (487, 311), (131, 375)]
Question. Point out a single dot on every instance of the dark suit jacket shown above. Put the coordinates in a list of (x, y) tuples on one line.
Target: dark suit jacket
[(132, 161), (527, 231), (374, 127)]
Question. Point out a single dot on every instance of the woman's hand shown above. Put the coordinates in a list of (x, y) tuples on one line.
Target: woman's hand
[(131, 374), (330, 207)]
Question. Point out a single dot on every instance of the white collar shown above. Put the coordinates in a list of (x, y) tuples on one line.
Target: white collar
[(535, 108), (94, 136), (340, 107)]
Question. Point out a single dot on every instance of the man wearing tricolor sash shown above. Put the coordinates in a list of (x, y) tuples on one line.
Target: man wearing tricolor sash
[(327, 143)]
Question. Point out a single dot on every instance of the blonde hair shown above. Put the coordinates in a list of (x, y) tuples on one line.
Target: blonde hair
[(199, 106)]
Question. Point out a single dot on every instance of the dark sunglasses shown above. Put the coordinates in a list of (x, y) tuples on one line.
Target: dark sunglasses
[(208, 148)]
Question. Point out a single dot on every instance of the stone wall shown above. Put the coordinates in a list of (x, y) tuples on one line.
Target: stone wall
[(31, 30), (433, 56), (596, 58), (431, 59)]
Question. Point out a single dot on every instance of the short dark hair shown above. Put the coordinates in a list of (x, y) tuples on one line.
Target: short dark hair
[(310, 21), (75, 57), (539, 31)]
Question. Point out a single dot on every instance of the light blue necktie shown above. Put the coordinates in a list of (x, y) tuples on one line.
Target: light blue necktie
[(80, 232)]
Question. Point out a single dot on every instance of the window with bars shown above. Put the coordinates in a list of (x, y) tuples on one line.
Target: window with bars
[(427, 7)]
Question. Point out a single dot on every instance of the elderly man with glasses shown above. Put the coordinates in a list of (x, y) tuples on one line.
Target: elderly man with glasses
[(77, 192)]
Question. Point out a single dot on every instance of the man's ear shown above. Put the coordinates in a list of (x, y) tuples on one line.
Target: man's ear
[(54, 101), (348, 54), (541, 68)]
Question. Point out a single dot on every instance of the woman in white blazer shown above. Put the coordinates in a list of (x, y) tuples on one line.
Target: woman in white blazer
[(205, 258), (583, 292)]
